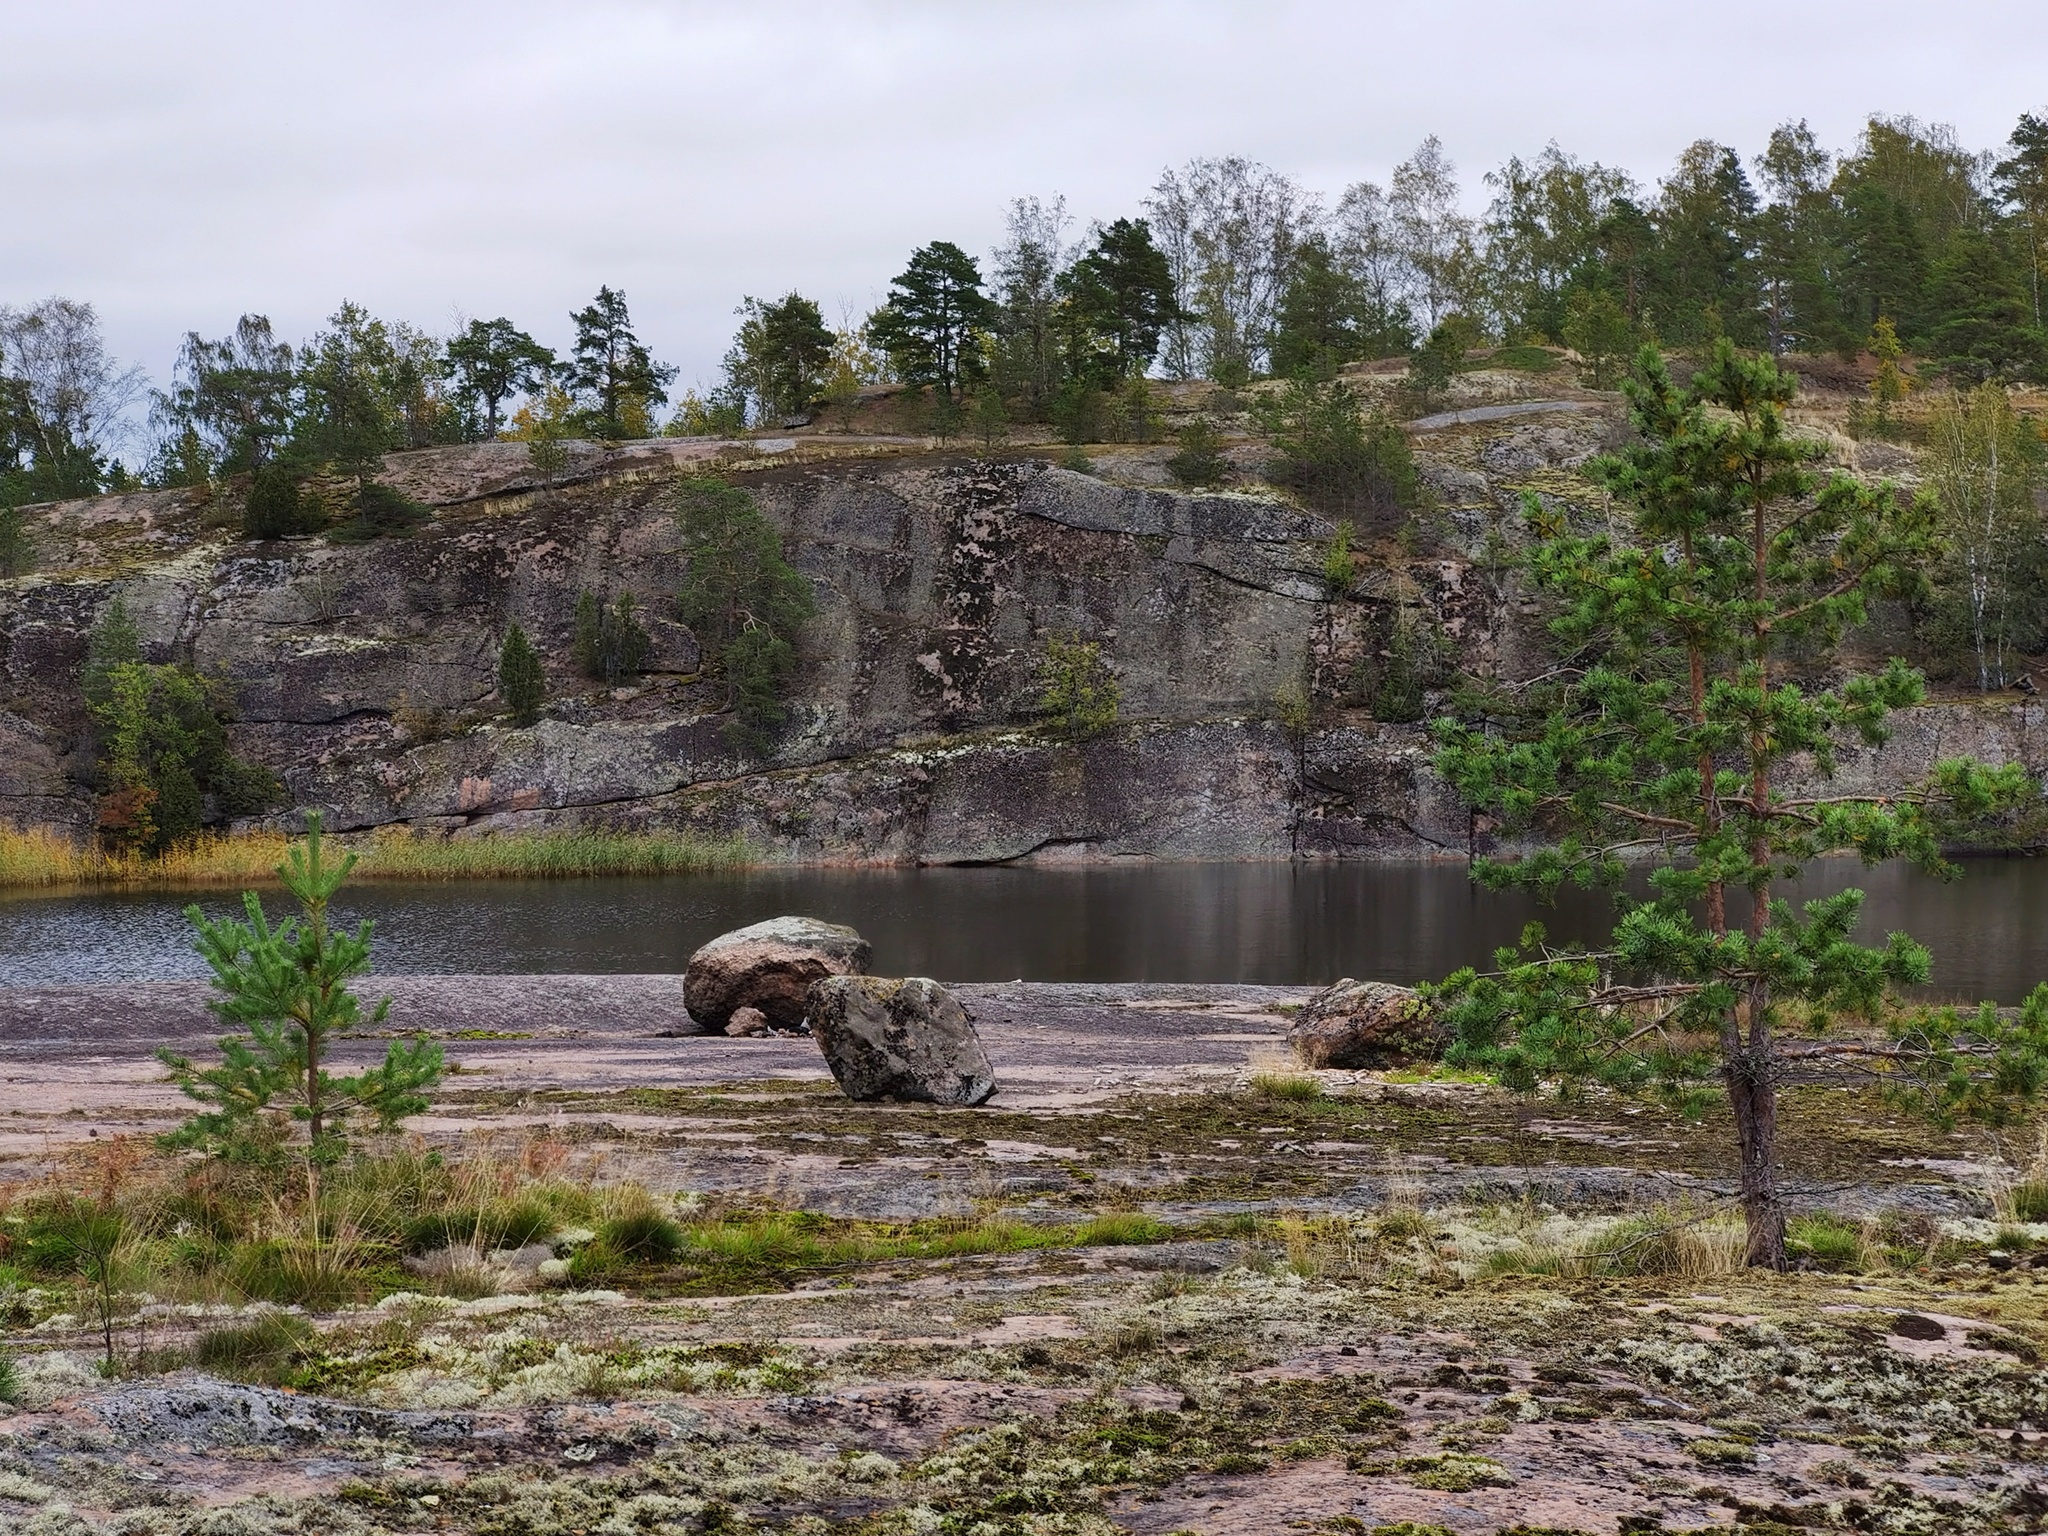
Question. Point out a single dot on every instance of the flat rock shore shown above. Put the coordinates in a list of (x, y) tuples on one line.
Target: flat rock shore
[(1246, 1299)]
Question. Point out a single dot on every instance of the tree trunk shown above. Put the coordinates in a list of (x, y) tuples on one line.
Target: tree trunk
[(1753, 1094)]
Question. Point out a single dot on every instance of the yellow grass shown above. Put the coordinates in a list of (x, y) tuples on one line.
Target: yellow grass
[(37, 857)]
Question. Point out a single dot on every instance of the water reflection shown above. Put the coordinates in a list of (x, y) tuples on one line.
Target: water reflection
[(1164, 922)]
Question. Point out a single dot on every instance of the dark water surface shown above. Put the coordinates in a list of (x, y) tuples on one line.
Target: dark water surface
[(1270, 922)]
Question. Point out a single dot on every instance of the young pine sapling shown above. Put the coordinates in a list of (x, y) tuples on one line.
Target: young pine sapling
[(287, 986)]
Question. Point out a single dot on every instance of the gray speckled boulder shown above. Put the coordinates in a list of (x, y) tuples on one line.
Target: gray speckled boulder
[(769, 966), (906, 1039)]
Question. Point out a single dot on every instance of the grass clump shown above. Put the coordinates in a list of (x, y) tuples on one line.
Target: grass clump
[(261, 1348), (2029, 1200), (1288, 1087), (1825, 1242), (1114, 1229)]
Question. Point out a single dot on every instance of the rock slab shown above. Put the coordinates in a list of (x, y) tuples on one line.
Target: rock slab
[(907, 1039), (1365, 1024), (769, 966)]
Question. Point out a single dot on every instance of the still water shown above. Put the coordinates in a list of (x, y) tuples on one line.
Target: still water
[(1275, 922)]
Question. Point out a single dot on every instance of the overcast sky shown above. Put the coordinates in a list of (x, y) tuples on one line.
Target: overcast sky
[(178, 164)]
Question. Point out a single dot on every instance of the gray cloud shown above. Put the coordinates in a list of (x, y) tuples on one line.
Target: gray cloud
[(177, 165)]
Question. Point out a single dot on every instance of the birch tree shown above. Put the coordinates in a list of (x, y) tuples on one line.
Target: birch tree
[(1981, 463)]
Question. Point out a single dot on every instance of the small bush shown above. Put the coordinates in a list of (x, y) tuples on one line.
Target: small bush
[(17, 555), (1340, 565), (1342, 461), (1394, 676), (278, 506), (1080, 695), (10, 1380), (380, 512), (1200, 460)]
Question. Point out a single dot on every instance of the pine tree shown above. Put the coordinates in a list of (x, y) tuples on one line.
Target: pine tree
[(288, 987), (612, 368), (930, 324), (1660, 742), (520, 681), (742, 600), (489, 363), (1892, 384), (781, 357)]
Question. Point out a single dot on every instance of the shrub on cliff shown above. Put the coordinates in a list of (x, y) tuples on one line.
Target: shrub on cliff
[(1341, 460), (1200, 460), (17, 554), (609, 644), (743, 601), (163, 750), (520, 682), (278, 505), (1079, 695)]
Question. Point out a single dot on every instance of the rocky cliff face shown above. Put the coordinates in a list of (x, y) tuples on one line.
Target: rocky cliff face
[(365, 674)]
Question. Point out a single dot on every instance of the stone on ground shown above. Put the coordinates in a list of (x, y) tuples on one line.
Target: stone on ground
[(747, 1021), (769, 966), (906, 1039), (1358, 1024)]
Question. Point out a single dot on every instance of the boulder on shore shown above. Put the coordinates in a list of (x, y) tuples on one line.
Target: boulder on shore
[(907, 1039), (1366, 1024), (769, 966)]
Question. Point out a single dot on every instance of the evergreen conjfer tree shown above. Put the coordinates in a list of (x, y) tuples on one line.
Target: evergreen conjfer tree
[(489, 363), (1119, 301), (1661, 741), (930, 324), (781, 356), (1980, 319), (520, 681), (2022, 180), (1318, 330), (617, 376), (742, 600), (287, 987)]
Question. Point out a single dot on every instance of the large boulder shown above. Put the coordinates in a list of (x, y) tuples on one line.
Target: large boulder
[(1366, 1024), (906, 1039), (769, 966)]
